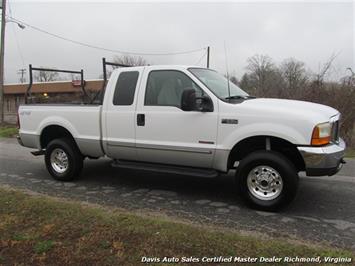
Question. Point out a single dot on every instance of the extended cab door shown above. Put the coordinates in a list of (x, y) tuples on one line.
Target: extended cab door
[(119, 114), (164, 132)]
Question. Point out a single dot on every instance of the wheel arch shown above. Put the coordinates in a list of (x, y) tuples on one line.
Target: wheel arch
[(51, 132), (265, 142)]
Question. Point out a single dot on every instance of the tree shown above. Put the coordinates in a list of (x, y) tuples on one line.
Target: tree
[(45, 76), (126, 60), (349, 79), (130, 60), (247, 84), (324, 70), (264, 76), (234, 80), (295, 76)]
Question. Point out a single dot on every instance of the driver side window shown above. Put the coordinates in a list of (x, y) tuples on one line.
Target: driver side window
[(165, 88)]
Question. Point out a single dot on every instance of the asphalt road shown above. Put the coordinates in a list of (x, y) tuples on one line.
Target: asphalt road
[(323, 212)]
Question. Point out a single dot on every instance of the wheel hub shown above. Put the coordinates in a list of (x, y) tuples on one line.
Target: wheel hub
[(59, 160), (264, 182)]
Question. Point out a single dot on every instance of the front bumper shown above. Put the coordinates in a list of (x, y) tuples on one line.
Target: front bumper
[(326, 160)]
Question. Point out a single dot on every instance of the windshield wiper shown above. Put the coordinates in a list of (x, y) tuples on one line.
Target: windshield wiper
[(240, 97)]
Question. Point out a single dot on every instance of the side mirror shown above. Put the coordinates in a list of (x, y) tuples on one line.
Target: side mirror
[(204, 104), (189, 102)]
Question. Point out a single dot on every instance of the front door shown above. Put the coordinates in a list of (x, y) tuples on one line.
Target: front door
[(167, 134)]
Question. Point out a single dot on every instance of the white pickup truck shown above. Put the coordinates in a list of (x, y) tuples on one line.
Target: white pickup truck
[(189, 120)]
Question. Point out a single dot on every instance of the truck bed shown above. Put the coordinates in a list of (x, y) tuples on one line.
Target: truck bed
[(82, 121)]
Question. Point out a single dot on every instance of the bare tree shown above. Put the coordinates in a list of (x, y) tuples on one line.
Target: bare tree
[(295, 76), (260, 66), (130, 60), (245, 83), (45, 76), (126, 60), (324, 70), (74, 76), (264, 76), (292, 80), (234, 79), (349, 79)]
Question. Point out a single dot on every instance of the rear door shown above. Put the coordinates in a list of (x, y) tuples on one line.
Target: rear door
[(167, 134), (119, 114)]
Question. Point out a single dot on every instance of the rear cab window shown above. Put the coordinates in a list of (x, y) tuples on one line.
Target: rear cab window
[(125, 88)]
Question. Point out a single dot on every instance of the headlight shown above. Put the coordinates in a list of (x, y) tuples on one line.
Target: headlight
[(321, 134)]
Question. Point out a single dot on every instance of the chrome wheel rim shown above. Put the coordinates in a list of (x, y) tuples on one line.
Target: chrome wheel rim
[(264, 183), (59, 160)]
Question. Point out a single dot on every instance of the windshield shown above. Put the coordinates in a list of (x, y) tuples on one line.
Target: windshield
[(217, 83)]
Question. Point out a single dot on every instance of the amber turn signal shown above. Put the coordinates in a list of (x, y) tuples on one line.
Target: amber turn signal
[(321, 134)]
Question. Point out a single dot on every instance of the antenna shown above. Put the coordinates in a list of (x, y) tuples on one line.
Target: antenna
[(225, 54)]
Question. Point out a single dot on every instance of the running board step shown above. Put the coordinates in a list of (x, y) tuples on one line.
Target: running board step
[(162, 168), (38, 153)]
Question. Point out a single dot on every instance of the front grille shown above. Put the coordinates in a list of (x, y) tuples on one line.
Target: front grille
[(335, 132)]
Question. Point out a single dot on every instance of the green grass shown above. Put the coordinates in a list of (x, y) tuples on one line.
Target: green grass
[(45, 231), (8, 131), (43, 246), (350, 153)]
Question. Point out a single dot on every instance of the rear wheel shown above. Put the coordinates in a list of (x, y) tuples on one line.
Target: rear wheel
[(267, 180), (63, 159)]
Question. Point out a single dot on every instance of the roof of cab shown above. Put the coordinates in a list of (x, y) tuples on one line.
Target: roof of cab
[(157, 67)]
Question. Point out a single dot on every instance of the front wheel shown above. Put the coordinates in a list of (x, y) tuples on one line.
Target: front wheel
[(267, 180), (63, 159)]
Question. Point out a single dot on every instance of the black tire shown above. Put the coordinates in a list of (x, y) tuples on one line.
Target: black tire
[(73, 155), (284, 168)]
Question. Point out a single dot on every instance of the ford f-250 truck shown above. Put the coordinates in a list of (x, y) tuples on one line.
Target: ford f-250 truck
[(189, 120)]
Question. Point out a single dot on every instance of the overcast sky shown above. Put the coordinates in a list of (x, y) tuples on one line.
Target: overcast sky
[(310, 32)]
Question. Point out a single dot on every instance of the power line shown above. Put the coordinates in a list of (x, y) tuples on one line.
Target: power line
[(103, 48), (201, 58), (16, 40)]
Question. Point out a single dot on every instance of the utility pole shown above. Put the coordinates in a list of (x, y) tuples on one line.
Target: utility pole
[(2, 51), (22, 72), (208, 57)]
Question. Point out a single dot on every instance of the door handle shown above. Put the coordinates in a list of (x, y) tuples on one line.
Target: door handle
[(141, 120)]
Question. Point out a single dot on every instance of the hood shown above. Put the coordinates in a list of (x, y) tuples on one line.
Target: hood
[(319, 112)]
